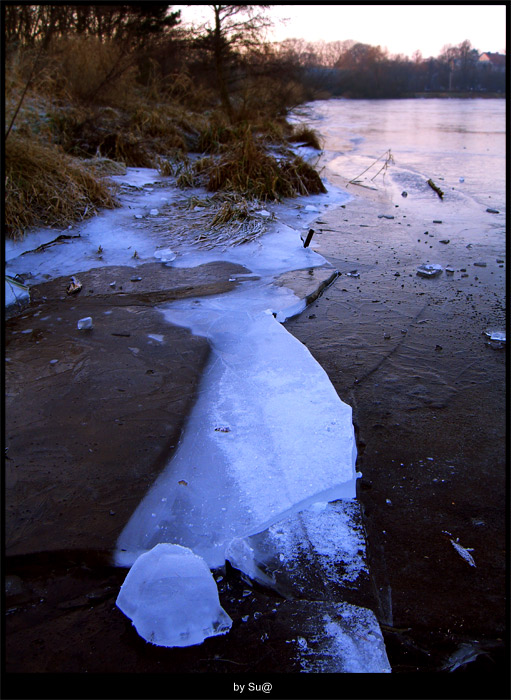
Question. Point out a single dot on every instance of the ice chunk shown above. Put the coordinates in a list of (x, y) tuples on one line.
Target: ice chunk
[(496, 335), (429, 270), (165, 254), (84, 323), (172, 599), (156, 336)]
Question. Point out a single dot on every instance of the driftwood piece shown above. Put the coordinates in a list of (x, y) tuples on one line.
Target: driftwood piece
[(436, 188), (60, 239)]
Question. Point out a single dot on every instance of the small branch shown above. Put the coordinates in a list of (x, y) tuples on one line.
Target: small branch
[(436, 188)]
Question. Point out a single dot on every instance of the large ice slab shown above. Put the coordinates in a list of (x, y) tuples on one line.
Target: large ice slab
[(267, 437), (172, 599)]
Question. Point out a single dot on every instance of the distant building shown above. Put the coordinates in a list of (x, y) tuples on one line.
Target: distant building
[(493, 61)]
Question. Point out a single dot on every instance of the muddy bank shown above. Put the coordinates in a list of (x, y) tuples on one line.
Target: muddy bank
[(93, 415), (428, 393)]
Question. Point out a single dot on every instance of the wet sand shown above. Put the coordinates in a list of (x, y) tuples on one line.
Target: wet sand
[(428, 394), (428, 397)]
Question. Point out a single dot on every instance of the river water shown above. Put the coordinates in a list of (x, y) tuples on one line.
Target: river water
[(387, 327)]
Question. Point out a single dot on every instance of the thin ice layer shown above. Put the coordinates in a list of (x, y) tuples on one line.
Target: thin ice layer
[(268, 434), (172, 598)]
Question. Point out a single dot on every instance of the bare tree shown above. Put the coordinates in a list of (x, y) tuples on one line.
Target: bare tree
[(235, 29)]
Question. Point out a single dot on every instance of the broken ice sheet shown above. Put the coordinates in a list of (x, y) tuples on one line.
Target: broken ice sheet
[(335, 637), (290, 441), (297, 555), (172, 599)]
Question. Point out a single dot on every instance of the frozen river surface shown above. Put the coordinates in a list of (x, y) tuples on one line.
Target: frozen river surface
[(459, 144)]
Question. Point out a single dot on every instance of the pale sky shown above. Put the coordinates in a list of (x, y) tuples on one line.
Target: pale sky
[(399, 28)]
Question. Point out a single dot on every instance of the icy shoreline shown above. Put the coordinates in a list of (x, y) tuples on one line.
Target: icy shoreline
[(281, 448)]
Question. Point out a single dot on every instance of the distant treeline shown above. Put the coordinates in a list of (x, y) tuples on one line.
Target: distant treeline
[(351, 69)]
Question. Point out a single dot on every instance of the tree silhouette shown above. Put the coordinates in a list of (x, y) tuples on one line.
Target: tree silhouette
[(235, 29)]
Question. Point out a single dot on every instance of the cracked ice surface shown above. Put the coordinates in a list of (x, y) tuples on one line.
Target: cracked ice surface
[(267, 437)]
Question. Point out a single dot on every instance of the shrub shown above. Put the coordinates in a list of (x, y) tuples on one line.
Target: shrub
[(44, 186), (87, 70)]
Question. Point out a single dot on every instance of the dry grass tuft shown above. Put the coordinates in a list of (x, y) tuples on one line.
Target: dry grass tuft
[(247, 169), (306, 135), (103, 167), (46, 187)]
